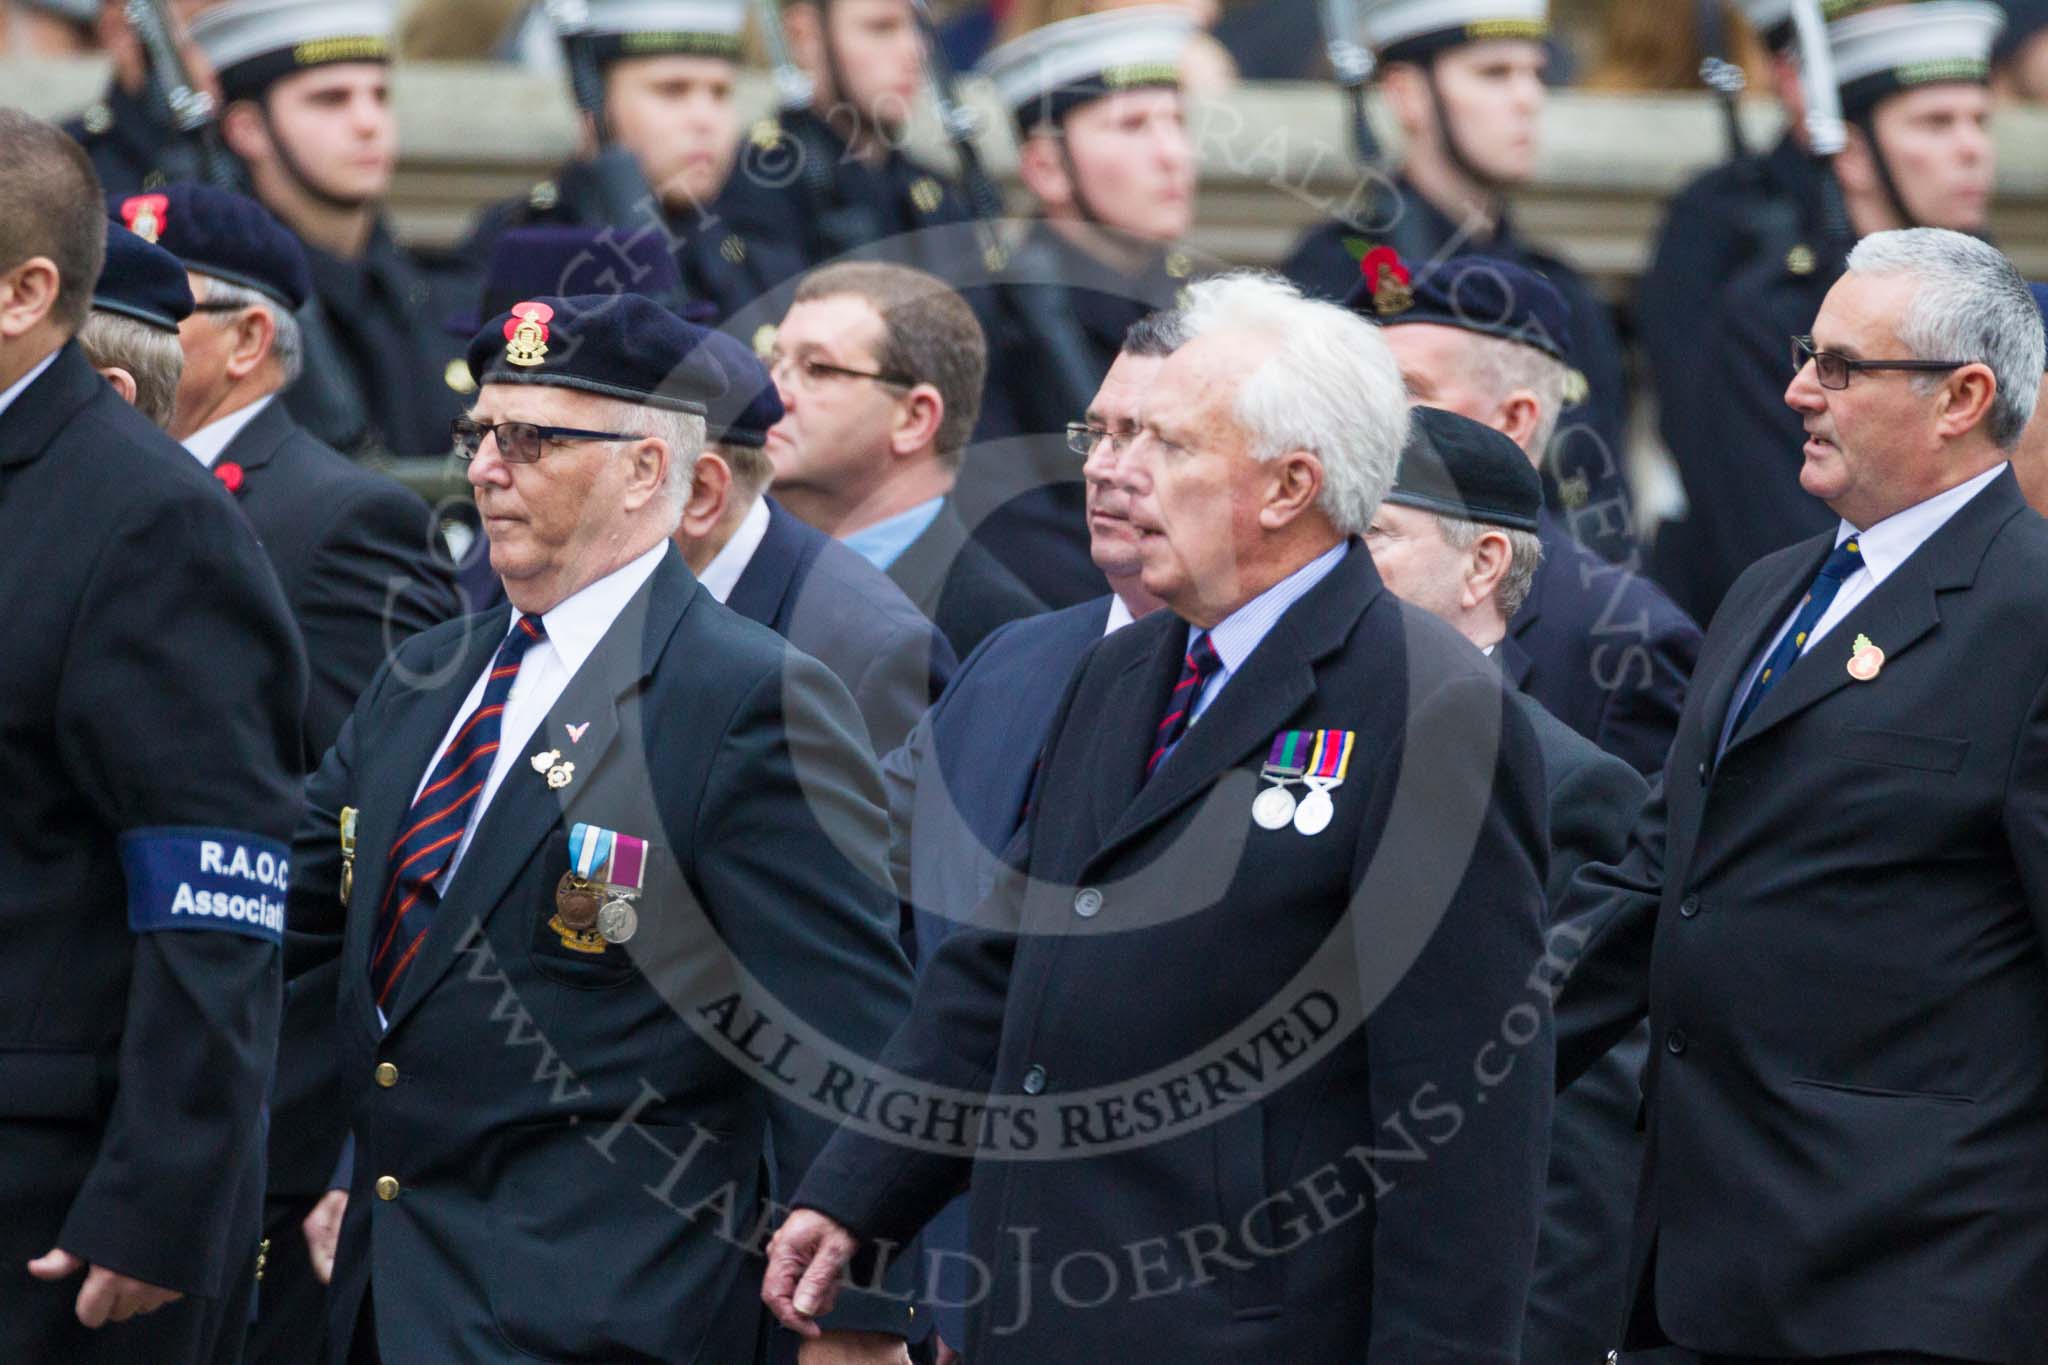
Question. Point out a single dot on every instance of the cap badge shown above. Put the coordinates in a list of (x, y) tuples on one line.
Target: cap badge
[(144, 214), (526, 333), (925, 194), (1389, 280), (1800, 260)]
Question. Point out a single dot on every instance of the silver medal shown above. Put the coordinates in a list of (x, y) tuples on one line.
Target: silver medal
[(1313, 816), (1273, 808), (618, 921)]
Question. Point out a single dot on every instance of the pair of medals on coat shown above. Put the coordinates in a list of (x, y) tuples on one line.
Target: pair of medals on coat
[(1318, 760), (594, 898)]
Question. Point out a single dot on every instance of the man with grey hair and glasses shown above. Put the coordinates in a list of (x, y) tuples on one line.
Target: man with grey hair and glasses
[(1835, 910), (1239, 1001)]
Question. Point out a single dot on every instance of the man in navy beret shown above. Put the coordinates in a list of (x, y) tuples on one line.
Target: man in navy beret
[(131, 334), (630, 827), (769, 566), (355, 553), (1597, 644)]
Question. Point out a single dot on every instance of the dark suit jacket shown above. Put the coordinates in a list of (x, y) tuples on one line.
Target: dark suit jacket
[(1604, 649), (845, 613), (583, 1140), (351, 551), (1192, 932), (958, 585), (1575, 1298), (1837, 930), (150, 691)]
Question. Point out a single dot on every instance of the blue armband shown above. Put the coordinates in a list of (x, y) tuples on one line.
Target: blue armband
[(187, 878)]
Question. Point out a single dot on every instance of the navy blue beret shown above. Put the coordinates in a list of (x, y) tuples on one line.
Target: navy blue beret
[(540, 262), (142, 281), (226, 235), (618, 345), (751, 404), (1460, 468), (1483, 294), (2023, 19)]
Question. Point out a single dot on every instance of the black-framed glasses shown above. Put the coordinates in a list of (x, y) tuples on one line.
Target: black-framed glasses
[(1833, 370), (1082, 438), (521, 442), (812, 372)]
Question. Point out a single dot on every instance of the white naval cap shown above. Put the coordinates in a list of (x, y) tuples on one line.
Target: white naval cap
[(650, 28), (1881, 51), (1410, 30), (251, 43), (1045, 73)]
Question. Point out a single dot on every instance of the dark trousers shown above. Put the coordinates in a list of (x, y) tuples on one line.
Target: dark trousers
[(1875, 1358), (291, 1303), (362, 1350)]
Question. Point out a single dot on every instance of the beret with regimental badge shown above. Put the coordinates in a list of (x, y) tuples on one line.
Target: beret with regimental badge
[(617, 345), (1483, 294), (1460, 468), (141, 280), (251, 43), (751, 403), (226, 235), (665, 28), (1044, 75), (1882, 51), (1416, 30), (529, 262)]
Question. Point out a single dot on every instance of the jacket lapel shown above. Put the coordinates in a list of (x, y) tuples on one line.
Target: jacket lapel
[(765, 584), (1900, 613), (525, 809), (47, 406), (256, 442), (1267, 690), (393, 767)]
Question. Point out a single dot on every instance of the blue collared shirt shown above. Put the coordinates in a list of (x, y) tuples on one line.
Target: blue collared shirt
[(884, 543), (1237, 635)]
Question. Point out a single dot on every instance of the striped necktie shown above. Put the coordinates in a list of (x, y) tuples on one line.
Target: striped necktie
[(439, 815), (1845, 559), (1197, 666)]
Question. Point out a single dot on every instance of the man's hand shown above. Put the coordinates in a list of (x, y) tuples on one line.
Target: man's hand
[(946, 1354), (853, 1348), (323, 1232), (107, 1295), (804, 1260)]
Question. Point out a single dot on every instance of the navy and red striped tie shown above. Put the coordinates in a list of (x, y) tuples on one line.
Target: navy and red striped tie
[(1197, 666), (439, 815)]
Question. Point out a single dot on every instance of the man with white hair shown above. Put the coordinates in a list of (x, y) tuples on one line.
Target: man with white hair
[(1242, 1025), (1839, 898), (564, 855)]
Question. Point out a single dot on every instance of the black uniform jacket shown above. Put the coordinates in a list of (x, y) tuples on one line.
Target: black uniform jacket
[(1193, 1033), (150, 696), (958, 585), (1837, 929), (577, 1141)]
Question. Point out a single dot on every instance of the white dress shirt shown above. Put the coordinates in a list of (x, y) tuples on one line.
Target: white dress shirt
[(1882, 548), (209, 441), (1119, 616), (1241, 632), (15, 389), (722, 574), (574, 627)]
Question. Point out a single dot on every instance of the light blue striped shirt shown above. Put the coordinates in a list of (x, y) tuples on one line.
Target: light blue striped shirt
[(884, 543), (1237, 635)]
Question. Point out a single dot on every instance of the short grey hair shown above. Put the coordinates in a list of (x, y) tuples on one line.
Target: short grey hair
[(1972, 305), (288, 348), (1502, 367), (115, 341), (1525, 556), (682, 432), (1330, 386)]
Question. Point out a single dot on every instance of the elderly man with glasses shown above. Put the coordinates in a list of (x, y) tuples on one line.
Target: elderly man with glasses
[(1835, 908), (880, 370), (604, 879)]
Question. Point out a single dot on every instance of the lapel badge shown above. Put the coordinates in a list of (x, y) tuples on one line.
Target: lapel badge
[(559, 775), (594, 899), (348, 852), (526, 333), (545, 759), (1328, 762), (1388, 279), (1866, 660), (1285, 764), (576, 731)]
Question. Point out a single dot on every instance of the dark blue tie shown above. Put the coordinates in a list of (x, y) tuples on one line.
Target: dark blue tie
[(439, 815), (1845, 560)]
